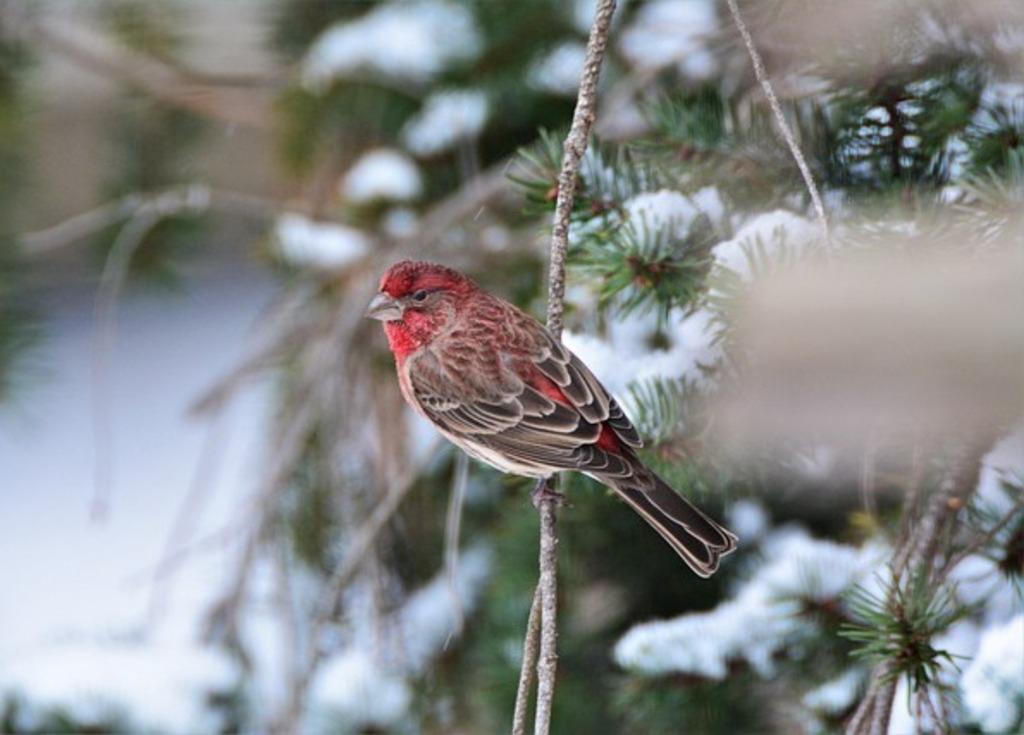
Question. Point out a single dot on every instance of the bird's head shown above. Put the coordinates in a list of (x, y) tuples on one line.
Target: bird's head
[(416, 301)]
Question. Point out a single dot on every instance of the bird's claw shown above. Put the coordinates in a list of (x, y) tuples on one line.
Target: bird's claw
[(543, 491)]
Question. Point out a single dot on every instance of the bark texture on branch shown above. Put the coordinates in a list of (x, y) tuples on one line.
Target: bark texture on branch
[(787, 133), (547, 587), (574, 148)]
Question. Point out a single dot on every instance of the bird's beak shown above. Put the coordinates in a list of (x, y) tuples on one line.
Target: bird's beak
[(384, 308)]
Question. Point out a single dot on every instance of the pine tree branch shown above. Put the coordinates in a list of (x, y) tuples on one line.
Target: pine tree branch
[(983, 540), (547, 587), (918, 555), (780, 118)]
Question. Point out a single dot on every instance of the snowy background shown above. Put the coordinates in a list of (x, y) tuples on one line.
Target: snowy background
[(172, 567)]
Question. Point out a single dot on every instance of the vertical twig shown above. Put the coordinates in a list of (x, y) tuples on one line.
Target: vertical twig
[(352, 562), (780, 118), (573, 150), (115, 270), (144, 216), (547, 587), (452, 532), (529, 661)]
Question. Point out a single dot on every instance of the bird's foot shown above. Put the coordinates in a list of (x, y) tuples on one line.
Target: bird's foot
[(543, 491)]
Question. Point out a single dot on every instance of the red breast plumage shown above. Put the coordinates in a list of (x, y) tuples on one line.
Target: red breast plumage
[(496, 383)]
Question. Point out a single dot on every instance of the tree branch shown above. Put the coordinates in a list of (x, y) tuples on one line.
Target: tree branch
[(780, 118), (530, 642), (573, 150), (918, 554), (547, 587), (355, 556), (185, 199), (210, 96)]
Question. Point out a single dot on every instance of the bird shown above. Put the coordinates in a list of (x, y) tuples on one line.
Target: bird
[(497, 384)]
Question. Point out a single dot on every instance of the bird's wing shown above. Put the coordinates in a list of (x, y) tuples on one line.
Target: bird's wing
[(581, 387), (516, 419)]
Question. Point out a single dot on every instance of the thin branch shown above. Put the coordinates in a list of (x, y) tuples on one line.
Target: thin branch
[(547, 660), (355, 556), (574, 148), (938, 724), (200, 94), (190, 511), (189, 198), (530, 642), (287, 447), (215, 540), (452, 532), (111, 282), (464, 203), (780, 118), (982, 541), (884, 698)]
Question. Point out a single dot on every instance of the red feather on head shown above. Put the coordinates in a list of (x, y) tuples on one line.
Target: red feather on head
[(408, 276), (418, 326)]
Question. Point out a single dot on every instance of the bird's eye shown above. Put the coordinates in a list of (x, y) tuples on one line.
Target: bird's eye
[(420, 295)]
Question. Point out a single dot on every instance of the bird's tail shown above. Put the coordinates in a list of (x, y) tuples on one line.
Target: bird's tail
[(700, 541)]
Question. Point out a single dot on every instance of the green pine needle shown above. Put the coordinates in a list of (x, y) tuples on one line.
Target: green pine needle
[(899, 630)]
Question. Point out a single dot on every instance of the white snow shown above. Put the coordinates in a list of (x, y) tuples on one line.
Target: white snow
[(671, 212), (307, 243), (161, 686), (352, 692), (495, 237), (760, 620), (951, 194), (709, 202), (399, 222), (993, 683), (667, 32), (773, 230), (413, 41), (423, 438), (748, 519), (623, 358), (978, 578), (366, 685), (559, 71), (431, 614), (662, 211), (1001, 94), (1005, 461), (583, 12), (980, 582), (447, 118), (382, 174), (836, 695), (75, 595)]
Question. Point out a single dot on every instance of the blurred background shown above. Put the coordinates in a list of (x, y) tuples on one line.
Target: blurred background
[(217, 516)]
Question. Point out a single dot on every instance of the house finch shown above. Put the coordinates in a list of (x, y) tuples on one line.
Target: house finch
[(497, 384)]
